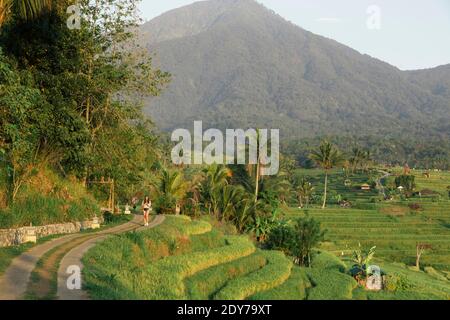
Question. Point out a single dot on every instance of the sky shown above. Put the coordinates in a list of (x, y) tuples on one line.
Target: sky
[(409, 34)]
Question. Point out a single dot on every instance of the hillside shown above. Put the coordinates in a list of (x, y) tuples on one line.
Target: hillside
[(237, 64), (194, 260)]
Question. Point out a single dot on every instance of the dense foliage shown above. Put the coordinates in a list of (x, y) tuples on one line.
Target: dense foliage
[(70, 98)]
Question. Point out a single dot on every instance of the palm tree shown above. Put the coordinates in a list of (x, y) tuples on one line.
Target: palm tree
[(327, 157), (304, 192), (171, 188), (367, 160), (245, 213), (356, 158), (229, 199), (216, 178), (25, 9)]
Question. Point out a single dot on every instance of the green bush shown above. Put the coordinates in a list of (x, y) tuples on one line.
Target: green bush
[(298, 240), (406, 181), (281, 238), (394, 282)]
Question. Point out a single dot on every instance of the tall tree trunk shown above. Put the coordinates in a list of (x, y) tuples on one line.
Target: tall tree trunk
[(300, 201), (325, 191), (257, 181), (418, 255)]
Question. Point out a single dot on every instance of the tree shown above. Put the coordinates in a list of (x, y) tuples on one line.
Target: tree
[(304, 192), (298, 240), (245, 212), (25, 9), (216, 178), (91, 81), (282, 238), (170, 189), (26, 137), (229, 198), (356, 158), (362, 261), (261, 226), (406, 181), (327, 157), (308, 235), (420, 249)]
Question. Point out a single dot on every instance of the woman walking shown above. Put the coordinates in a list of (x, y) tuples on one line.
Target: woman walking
[(146, 207)]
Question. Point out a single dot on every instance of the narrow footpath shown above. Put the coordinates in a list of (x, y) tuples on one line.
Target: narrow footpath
[(14, 282), (74, 257)]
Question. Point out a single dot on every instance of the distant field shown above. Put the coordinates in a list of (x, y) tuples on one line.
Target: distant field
[(337, 185), (438, 181), (391, 226)]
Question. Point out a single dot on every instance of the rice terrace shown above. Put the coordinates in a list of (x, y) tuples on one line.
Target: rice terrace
[(336, 188)]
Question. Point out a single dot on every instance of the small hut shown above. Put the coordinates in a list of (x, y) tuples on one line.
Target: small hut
[(365, 187)]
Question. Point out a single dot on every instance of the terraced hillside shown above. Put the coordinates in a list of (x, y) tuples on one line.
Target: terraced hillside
[(184, 259), (395, 236), (395, 227)]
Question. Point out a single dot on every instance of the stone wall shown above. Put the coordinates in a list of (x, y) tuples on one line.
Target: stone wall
[(12, 237)]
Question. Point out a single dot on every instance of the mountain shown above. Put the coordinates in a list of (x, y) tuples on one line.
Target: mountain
[(237, 64)]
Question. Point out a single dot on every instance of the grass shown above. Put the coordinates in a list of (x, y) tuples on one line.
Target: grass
[(184, 259), (126, 266), (395, 238), (420, 286), (47, 198), (328, 284), (167, 275), (294, 288), (205, 284), (7, 254), (170, 262), (274, 273), (44, 278)]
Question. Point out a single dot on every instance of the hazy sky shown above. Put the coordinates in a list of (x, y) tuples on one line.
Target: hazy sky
[(412, 34)]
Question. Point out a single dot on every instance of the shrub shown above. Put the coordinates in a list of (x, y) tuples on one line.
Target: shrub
[(406, 181), (281, 238), (165, 204), (362, 259), (308, 234), (298, 240), (395, 282)]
